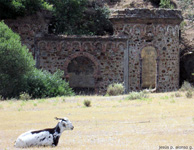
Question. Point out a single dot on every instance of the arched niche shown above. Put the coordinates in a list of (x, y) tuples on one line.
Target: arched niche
[(149, 68), (82, 73)]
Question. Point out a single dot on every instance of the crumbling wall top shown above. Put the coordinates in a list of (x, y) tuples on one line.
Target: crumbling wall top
[(174, 16)]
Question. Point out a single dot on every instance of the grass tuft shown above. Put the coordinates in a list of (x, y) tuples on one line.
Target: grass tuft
[(115, 89), (189, 94), (186, 86), (137, 95), (177, 94), (87, 103)]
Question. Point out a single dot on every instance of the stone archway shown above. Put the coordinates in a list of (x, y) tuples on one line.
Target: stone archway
[(82, 72), (148, 68)]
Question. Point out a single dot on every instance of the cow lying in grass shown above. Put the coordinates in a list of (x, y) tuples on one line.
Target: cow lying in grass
[(45, 137)]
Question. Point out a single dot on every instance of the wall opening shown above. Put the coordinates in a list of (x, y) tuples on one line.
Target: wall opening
[(81, 75), (149, 68)]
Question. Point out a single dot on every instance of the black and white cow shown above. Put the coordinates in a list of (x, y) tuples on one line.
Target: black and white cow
[(45, 137)]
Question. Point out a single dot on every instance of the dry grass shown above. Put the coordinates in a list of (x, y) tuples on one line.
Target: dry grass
[(111, 123)]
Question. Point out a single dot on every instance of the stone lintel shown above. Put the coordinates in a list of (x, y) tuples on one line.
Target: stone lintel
[(80, 38)]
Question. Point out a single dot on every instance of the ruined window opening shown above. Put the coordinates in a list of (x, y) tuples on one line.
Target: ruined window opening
[(149, 67), (81, 75)]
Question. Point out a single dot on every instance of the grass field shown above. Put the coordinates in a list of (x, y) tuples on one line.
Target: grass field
[(110, 123)]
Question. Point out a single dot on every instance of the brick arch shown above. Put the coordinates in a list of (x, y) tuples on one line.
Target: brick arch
[(147, 27), (135, 27), (83, 54), (158, 29)]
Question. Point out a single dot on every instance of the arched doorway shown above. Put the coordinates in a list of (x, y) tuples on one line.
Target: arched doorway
[(81, 75), (149, 68)]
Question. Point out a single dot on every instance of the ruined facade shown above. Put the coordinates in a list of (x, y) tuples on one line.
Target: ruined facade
[(142, 53)]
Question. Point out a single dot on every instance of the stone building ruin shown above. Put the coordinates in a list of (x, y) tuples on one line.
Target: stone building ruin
[(142, 53)]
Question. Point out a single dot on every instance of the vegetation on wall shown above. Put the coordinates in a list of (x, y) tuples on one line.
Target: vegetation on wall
[(18, 73), (166, 4)]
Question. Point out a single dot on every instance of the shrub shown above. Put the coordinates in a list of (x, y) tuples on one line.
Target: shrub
[(115, 89), (16, 63), (189, 94), (24, 96), (186, 86), (137, 95), (87, 103), (44, 84)]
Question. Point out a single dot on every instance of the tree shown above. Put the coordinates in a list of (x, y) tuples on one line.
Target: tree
[(18, 73), (16, 63), (80, 17), (10, 9)]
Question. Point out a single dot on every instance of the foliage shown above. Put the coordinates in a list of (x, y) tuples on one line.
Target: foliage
[(15, 8), (115, 89), (87, 103), (166, 4), (189, 94), (186, 86), (137, 95), (44, 84), (80, 17), (16, 63)]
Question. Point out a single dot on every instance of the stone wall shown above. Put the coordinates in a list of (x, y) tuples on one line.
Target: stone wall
[(99, 61), (30, 27), (157, 29), (143, 53)]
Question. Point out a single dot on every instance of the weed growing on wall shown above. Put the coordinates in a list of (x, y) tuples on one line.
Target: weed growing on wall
[(166, 4)]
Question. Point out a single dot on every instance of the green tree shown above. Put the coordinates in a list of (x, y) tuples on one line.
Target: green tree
[(16, 63), (14, 8), (18, 73), (81, 17)]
